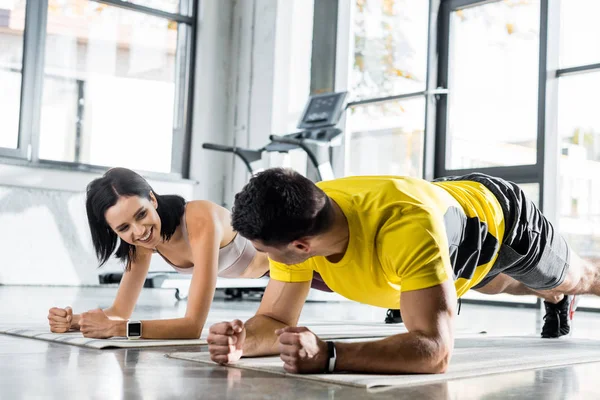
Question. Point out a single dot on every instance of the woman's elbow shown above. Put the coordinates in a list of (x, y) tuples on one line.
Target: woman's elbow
[(196, 334), (194, 331)]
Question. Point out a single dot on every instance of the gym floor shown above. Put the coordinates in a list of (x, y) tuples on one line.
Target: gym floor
[(37, 369)]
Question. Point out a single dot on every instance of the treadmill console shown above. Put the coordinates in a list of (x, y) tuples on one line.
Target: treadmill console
[(322, 111)]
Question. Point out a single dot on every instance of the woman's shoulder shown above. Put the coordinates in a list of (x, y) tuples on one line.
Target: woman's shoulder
[(200, 208), (200, 214), (204, 218)]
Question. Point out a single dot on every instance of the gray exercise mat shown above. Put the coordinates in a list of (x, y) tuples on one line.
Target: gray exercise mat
[(473, 356), (326, 331), (77, 339)]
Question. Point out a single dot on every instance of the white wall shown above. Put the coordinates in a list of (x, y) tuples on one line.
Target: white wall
[(270, 54), (212, 94), (234, 90), (43, 227), (252, 70)]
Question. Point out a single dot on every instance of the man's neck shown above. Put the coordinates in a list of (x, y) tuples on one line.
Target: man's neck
[(335, 241)]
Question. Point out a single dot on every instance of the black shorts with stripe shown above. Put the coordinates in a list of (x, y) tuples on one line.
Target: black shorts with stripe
[(532, 252)]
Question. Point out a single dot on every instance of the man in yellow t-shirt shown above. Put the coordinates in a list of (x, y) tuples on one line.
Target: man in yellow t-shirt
[(393, 242)]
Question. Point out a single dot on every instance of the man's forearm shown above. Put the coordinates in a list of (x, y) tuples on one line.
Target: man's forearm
[(411, 352), (261, 339)]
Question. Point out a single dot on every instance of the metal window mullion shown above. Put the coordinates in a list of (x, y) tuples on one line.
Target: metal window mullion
[(183, 17), (323, 54), (184, 92), (462, 4), (581, 69), (541, 123), (92, 168), (543, 66), (429, 131), (551, 171), (386, 99), (344, 48), (193, 7), (441, 109), (180, 76), (323, 58), (34, 44), (8, 152)]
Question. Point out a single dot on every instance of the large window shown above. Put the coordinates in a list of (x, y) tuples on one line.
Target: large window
[(579, 126), (579, 32), (491, 120), (111, 85), (12, 23), (493, 85), (385, 127), (387, 138), (390, 47)]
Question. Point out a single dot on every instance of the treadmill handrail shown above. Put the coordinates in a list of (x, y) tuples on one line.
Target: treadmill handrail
[(300, 143), (218, 147), (248, 156)]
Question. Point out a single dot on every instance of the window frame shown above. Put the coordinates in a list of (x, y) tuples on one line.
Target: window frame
[(553, 167), (34, 41), (533, 173), (431, 92)]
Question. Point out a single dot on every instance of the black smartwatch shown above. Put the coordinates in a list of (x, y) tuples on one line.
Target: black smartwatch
[(332, 357), (134, 329)]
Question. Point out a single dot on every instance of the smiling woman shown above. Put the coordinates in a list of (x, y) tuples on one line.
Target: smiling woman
[(128, 218), (123, 204)]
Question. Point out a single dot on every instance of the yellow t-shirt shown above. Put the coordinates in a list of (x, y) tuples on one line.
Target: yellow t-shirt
[(406, 234)]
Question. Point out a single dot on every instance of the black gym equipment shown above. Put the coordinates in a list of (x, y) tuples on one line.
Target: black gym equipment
[(317, 129)]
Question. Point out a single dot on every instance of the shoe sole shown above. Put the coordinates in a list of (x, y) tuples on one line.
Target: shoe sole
[(573, 307)]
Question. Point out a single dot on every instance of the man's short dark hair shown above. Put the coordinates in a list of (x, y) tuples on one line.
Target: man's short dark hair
[(279, 206)]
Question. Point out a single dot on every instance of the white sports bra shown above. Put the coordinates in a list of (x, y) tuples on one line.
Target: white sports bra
[(234, 257)]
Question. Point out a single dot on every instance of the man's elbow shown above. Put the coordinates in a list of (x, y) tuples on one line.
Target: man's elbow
[(439, 360), (441, 366)]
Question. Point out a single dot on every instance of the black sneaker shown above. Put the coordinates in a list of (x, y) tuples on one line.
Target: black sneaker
[(393, 317), (557, 321)]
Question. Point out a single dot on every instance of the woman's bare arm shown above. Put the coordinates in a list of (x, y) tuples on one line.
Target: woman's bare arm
[(205, 234)]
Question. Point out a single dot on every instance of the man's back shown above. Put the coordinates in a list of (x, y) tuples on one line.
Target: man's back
[(406, 234)]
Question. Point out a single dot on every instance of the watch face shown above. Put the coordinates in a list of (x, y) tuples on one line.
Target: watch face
[(135, 329)]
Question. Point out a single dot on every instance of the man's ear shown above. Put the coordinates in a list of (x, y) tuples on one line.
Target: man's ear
[(302, 244)]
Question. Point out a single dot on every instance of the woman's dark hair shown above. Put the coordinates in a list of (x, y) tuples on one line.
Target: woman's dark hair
[(279, 206), (104, 192)]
